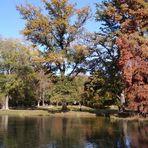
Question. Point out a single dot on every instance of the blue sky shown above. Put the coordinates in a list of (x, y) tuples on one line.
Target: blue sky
[(11, 22)]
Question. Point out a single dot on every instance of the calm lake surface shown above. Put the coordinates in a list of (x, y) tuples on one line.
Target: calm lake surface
[(71, 132)]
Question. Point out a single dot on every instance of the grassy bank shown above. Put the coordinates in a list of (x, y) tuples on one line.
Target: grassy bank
[(24, 112), (56, 110), (73, 111)]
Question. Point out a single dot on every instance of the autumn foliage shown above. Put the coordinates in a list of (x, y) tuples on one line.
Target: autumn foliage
[(62, 52), (132, 19), (57, 27)]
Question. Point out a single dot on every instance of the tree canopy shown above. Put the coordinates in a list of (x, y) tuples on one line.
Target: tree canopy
[(59, 29)]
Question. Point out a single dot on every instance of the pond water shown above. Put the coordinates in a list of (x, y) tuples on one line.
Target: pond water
[(71, 132)]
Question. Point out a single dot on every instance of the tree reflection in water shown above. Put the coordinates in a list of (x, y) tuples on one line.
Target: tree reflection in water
[(70, 132)]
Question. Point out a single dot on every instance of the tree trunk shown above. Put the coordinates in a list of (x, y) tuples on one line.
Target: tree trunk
[(6, 103), (80, 106), (64, 106), (43, 100), (57, 103), (38, 104)]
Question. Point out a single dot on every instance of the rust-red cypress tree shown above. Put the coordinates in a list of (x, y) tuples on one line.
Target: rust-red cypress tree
[(131, 19)]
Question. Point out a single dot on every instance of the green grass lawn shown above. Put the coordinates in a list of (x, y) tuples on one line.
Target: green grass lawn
[(48, 110), (73, 111), (24, 112)]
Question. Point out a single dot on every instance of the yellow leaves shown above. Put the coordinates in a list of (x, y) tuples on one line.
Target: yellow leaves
[(110, 11), (57, 2), (26, 31), (41, 22), (72, 29), (35, 53), (124, 7), (61, 11), (55, 57), (56, 29), (60, 22), (81, 50), (69, 9)]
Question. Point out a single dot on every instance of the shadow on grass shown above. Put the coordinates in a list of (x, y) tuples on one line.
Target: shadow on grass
[(58, 110), (106, 112), (23, 108)]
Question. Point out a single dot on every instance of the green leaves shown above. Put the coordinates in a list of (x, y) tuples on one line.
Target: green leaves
[(17, 78), (68, 90)]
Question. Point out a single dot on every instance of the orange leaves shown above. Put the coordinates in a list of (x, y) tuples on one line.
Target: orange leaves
[(144, 50), (137, 95), (125, 53), (83, 11), (133, 46), (132, 42)]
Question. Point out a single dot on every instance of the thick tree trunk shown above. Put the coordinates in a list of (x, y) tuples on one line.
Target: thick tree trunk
[(5, 104)]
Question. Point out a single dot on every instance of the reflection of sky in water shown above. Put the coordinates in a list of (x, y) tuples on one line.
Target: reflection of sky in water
[(90, 145), (127, 143)]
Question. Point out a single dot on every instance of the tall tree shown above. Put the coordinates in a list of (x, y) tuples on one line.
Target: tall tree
[(105, 81), (15, 69), (59, 30), (131, 17)]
